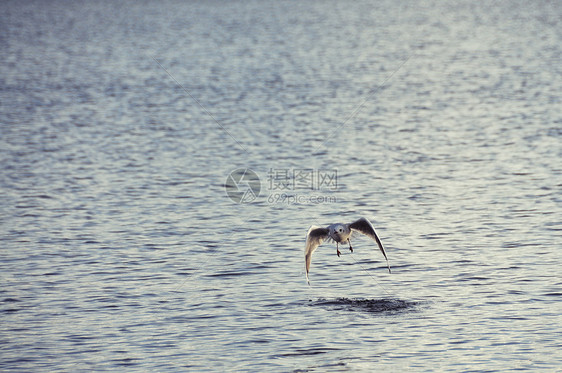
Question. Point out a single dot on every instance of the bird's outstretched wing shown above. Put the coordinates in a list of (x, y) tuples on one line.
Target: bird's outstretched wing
[(314, 238), (365, 227)]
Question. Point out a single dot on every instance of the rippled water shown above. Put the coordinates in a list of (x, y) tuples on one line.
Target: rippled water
[(439, 121)]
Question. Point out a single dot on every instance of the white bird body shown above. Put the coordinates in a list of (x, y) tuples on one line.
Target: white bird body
[(339, 233)]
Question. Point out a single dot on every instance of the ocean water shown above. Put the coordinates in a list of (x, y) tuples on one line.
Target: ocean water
[(129, 241)]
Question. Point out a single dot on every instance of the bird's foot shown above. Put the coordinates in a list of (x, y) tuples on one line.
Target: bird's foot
[(339, 252), (350, 248)]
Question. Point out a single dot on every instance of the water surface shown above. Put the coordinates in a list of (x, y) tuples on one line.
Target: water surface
[(122, 121)]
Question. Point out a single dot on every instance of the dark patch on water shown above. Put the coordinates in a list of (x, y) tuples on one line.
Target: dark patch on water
[(338, 366), (309, 351), (365, 305)]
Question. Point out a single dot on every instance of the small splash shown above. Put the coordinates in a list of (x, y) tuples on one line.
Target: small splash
[(365, 305)]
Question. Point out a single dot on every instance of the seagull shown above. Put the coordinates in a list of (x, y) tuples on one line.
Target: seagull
[(340, 233)]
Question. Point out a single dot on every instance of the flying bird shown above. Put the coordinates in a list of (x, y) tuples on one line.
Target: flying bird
[(339, 233)]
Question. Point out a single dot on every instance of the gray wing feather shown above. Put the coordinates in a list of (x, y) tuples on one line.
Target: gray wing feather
[(314, 238), (365, 227)]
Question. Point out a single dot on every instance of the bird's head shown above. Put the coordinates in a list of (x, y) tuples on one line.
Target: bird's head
[(336, 232)]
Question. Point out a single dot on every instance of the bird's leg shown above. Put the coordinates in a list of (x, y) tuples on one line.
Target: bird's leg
[(338, 249), (349, 242)]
